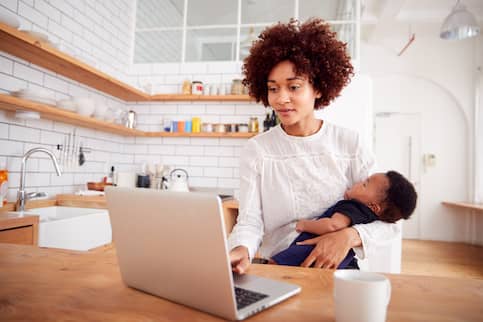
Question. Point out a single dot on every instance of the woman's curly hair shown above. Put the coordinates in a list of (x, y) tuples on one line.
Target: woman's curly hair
[(314, 50)]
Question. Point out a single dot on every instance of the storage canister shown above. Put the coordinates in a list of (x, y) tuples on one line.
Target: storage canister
[(207, 127), (197, 88), (196, 124)]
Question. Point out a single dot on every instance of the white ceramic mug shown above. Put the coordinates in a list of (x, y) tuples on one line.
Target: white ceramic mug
[(361, 296)]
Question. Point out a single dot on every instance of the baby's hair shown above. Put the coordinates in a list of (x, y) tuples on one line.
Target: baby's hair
[(400, 199), (314, 50)]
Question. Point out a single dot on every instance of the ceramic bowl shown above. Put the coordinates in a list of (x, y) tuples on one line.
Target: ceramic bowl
[(67, 104), (85, 106)]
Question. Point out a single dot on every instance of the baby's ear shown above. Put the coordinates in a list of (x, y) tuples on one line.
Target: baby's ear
[(375, 207)]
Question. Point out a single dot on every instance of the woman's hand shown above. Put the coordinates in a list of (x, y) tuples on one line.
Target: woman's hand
[(239, 259), (330, 249), (300, 226)]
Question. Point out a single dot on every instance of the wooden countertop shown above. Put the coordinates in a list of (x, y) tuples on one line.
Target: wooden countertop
[(10, 220), (54, 285), (464, 205)]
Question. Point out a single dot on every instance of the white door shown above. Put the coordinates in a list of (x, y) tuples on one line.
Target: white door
[(397, 140)]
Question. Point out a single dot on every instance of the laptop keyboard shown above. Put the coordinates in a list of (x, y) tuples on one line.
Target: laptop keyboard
[(246, 297)]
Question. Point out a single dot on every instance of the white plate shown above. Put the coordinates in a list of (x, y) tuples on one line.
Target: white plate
[(39, 92), (38, 99), (40, 36), (9, 19)]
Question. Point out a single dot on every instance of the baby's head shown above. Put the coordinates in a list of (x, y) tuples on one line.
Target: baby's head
[(389, 195)]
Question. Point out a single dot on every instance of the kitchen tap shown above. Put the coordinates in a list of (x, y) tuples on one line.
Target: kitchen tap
[(22, 196)]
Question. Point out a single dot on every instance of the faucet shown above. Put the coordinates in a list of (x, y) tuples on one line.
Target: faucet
[(22, 196)]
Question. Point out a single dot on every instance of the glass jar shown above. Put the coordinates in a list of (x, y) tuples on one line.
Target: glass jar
[(186, 89), (237, 87), (242, 127), (253, 125)]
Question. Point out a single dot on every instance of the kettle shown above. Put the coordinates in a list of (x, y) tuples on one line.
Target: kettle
[(178, 181)]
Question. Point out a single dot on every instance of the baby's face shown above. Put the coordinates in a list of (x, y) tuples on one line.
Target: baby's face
[(371, 190)]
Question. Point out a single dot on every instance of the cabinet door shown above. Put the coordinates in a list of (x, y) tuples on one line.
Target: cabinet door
[(21, 235)]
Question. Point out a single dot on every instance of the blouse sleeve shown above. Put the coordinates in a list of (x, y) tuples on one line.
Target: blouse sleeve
[(249, 228), (376, 234)]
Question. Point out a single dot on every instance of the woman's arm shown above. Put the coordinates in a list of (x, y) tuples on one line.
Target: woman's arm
[(323, 225), (247, 234), (330, 249)]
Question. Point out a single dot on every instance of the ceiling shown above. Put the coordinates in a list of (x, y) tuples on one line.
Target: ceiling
[(429, 11), (384, 16)]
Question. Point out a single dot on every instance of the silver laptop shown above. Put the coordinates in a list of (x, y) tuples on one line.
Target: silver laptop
[(173, 245)]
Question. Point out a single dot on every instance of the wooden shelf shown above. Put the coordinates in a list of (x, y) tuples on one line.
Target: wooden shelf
[(181, 97), (202, 134), (39, 53), (464, 205), (11, 103), (21, 45), (49, 112)]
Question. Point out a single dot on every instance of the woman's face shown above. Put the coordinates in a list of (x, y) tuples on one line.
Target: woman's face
[(292, 97)]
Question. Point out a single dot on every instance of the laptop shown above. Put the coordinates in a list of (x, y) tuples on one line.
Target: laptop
[(173, 245)]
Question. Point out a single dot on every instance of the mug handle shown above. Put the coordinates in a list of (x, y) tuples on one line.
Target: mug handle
[(389, 290)]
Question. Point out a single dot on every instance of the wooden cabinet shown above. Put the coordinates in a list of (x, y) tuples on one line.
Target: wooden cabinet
[(15, 229)]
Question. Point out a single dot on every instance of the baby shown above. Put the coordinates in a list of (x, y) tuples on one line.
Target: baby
[(383, 196)]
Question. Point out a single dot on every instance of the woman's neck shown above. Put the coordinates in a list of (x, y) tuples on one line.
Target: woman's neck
[(308, 128)]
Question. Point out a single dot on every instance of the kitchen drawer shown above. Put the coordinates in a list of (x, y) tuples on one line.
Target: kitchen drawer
[(19, 235)]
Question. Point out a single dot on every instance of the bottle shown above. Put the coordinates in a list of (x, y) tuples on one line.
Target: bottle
[(3, 185), (266, 122), (111, 177), (273, 119)]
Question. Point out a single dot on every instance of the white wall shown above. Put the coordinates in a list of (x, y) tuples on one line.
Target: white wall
[(96, 32), (434, 78), (210, 162)]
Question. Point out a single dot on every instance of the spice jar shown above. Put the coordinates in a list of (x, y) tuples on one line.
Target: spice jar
[(236, 87), (197, 88), (206, 127), (243, 127), (219, 128), (253, 125)]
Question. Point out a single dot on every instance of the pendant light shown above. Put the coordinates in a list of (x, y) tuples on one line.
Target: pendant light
[(459, 24)]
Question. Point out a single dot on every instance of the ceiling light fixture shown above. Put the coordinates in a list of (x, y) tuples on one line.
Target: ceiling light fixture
[(459, 24)]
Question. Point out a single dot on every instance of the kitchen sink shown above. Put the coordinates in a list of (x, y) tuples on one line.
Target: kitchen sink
[(72, 228)]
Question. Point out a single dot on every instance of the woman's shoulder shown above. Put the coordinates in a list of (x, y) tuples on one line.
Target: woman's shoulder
[(341, 136)]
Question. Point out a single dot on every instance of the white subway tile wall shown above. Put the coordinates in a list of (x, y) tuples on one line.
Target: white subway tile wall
[(100, 33)]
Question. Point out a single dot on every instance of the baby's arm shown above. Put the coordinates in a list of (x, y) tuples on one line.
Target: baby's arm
[(324, 225)]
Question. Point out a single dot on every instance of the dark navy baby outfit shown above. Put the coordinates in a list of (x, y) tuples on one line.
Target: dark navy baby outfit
[(357, 212)]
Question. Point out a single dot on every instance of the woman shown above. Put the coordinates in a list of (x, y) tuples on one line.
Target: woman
[(301, 167)]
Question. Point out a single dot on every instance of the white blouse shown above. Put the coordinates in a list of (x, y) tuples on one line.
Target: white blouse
[(285, 178)]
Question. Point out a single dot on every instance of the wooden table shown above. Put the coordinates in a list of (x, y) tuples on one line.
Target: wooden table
[(53, 285)]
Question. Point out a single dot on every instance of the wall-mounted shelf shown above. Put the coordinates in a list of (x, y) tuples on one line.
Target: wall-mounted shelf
[(181, 97), (24, 46), (49, 112), (11, 103)]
